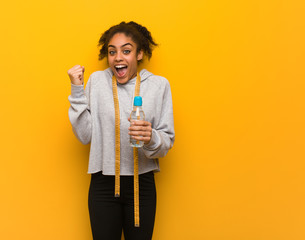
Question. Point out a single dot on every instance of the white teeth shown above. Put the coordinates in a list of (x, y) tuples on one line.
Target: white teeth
[(120, 66)]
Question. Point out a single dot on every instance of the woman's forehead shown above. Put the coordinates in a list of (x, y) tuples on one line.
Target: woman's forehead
[(121, 40)]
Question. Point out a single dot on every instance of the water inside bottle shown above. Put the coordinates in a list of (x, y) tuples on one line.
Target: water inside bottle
[(136, 115)]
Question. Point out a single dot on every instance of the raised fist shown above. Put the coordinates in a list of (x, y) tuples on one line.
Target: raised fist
[(76, 74)]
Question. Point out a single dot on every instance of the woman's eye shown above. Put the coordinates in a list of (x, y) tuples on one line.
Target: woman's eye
[(111, 52), (126, 51)]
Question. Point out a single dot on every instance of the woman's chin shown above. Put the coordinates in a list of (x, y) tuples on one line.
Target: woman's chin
[(122, 79)]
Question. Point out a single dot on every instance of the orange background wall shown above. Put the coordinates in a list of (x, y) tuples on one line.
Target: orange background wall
[(236, 70)]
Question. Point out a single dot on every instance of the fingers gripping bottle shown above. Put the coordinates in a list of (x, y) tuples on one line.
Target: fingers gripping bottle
[(137, 114)]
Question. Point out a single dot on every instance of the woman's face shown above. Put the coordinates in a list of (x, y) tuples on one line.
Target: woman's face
[(123, 57)]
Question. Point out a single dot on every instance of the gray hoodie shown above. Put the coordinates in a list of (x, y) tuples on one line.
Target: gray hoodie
[(92, 117)]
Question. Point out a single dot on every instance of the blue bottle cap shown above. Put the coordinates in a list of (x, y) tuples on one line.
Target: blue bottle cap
[(137, 101)]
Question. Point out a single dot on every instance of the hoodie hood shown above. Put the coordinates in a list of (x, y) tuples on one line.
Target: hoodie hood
[(144, 74)]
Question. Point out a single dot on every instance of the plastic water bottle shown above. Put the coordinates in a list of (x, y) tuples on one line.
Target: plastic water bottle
[(136, 114)]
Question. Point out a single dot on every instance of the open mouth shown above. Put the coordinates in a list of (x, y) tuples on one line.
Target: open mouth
[(121, 70)]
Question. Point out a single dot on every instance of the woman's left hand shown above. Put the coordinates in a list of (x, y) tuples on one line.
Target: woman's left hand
[(140, 130)]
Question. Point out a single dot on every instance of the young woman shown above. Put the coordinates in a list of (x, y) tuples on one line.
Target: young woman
[(99, 115)]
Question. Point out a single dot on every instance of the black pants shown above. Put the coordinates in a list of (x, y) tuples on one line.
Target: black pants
[(110, 215)]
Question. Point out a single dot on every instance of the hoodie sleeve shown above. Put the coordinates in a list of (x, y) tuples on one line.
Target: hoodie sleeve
[(79, 111), (163, 134)]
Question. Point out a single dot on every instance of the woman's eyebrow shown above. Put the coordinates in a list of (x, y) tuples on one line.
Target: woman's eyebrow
[(126, 44), (121, 46)]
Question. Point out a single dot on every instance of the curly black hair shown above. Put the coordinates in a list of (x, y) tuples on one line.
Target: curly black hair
[(138, 33)]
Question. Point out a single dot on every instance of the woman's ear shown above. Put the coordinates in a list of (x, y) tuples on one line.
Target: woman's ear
[(140, 55)]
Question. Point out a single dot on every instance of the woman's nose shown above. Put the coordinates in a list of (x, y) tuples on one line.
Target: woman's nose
[(118, 56)]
